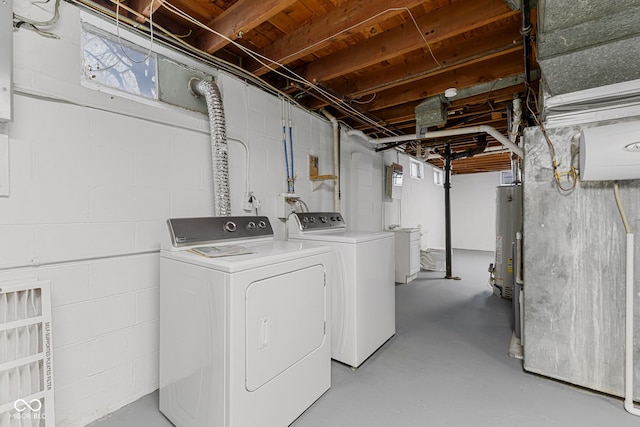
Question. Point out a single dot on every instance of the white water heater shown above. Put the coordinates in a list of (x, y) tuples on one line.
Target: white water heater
[(508, 223)]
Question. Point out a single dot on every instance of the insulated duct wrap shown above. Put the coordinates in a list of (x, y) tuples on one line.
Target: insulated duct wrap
[(219, 148)]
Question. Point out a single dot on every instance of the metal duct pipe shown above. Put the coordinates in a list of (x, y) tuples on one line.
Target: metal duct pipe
[(448, 157), (444, 133), (219, 148), (513, 135)]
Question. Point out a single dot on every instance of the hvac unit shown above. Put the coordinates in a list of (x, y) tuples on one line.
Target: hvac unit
[(610, 152)]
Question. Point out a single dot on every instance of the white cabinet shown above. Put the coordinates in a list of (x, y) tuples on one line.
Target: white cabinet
[(407, 254)]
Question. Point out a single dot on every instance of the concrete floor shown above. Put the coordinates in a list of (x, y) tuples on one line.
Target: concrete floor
[(447, 365)]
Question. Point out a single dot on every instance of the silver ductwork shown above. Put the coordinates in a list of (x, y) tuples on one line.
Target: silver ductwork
[(219, 148)]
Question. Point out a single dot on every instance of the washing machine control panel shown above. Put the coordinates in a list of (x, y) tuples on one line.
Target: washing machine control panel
[(197, 231), (319, 220)]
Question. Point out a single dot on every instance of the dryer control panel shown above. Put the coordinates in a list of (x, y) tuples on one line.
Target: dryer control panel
[(319, 220), (198, 231)]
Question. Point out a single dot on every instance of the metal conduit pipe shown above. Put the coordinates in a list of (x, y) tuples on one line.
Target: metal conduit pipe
[(513, 135), (444, 133), (336, 158), (219, 148), (629, 294)]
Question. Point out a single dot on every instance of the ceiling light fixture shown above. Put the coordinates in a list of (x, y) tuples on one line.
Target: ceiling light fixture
[(451, 92)]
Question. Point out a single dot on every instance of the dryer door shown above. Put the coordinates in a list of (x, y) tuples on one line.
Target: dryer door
[(285, 322)]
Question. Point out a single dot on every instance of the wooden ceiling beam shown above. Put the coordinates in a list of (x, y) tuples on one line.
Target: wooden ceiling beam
[(146, 8), (482, 71), (339, 23), (463, 52), (242, 16), (487, 163), (441, 24)]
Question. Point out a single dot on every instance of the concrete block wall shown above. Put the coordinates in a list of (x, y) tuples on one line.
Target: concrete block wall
[(93, 177)]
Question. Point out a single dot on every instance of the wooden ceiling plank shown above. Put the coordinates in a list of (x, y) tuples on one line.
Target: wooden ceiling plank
[(439, 25), (344, 20), (497, 67), (415, 68), (241, 17)]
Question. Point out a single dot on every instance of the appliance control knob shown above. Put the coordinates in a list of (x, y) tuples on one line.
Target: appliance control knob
[(338, 218), (251, 225), (323, 219), (230, 226), (312, 219), (305, 219), (262, 224), (333, 218)]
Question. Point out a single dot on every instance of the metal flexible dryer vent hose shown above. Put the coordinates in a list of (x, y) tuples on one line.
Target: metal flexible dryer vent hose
[(219, 148)]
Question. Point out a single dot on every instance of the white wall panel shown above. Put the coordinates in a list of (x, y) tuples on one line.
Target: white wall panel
[(148, 235), (473, 211), (127, 203), (71, 363), (61, 242), (145, 373), (121, 275), (147, 305)]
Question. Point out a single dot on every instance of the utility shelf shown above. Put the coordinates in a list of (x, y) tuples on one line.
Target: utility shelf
[(313, 171)]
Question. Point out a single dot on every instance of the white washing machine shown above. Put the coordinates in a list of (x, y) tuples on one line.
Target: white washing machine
[(243, 338), (362, 284)]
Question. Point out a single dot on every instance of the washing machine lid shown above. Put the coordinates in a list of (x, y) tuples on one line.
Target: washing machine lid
[(261, 254), (350, 237)]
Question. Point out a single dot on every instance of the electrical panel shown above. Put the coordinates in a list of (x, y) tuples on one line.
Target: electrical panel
[(393, 181), (610, 152)]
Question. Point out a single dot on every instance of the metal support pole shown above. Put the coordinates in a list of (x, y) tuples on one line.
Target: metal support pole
[(447, 208)]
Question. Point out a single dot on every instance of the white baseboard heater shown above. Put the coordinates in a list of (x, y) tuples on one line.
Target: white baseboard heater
[(26, 362)]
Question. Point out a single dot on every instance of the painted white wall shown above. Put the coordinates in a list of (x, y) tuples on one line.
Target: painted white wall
[(93, 178), (362, 184), (473, 211), (421, 204)]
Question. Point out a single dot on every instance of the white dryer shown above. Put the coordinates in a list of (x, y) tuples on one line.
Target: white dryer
[(243, 338), (362, 284)]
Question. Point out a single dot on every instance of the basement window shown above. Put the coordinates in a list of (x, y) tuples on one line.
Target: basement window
[(111, 62), (416, 169), (438, 177), (506, 177)]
